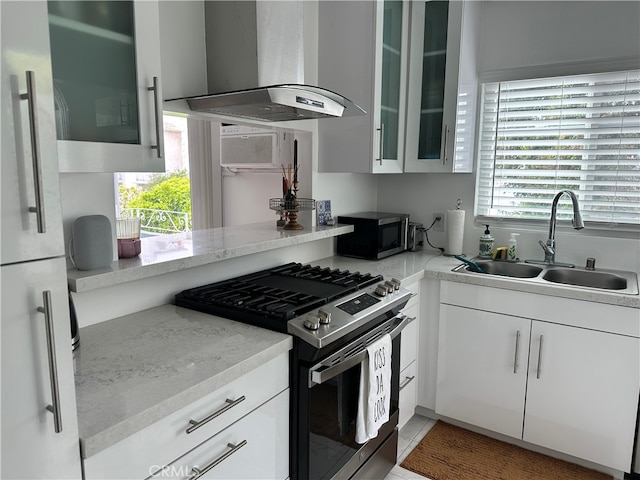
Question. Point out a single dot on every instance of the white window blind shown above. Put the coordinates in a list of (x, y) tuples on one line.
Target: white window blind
[(540, 136)]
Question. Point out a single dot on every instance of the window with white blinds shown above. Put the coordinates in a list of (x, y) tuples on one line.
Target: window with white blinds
[(540, 136)]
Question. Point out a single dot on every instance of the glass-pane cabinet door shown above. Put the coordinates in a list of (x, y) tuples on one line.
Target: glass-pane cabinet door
[(433, 85), (434, 63), (390, 90), (104, 105), (94, 101)]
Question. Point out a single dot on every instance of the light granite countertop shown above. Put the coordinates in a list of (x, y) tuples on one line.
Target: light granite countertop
[(411, 266), (168, 253), (135, 370)]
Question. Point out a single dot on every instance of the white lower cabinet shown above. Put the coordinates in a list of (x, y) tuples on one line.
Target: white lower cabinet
[(408, 394), (254, 407), (582, 394), (257, 446), (36, 363), (408, 358), (570, 388), (482, 368)]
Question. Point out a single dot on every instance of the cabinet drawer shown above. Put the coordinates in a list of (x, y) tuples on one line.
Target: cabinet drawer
[(257, 446), (408, 394), (164, 441), (409, 343), (584, 314)]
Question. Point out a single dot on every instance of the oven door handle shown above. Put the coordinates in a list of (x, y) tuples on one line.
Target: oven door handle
[(320, 373)]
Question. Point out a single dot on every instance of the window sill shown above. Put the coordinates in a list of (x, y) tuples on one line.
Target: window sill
[(599, 229)]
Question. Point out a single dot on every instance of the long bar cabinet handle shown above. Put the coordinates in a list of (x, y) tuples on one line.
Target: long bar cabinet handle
[(197, 473), (381, 143), (538, 372), (515, 359), (158, 116), (196, 424), (30, 97), (53, 368), (444, 146)]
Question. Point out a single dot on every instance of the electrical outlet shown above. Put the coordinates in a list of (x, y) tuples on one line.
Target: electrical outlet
[(438, 226)]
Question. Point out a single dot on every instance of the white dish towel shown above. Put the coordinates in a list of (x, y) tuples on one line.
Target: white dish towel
[(375, 390)]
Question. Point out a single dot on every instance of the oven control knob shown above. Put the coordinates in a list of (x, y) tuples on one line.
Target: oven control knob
[(396, 283), (381, 290), (312, 322), (324, 317), (389, 286)]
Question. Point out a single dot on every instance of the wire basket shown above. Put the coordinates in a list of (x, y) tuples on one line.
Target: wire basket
[(293, 204), (291, 207)]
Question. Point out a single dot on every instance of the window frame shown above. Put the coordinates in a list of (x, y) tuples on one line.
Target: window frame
[(605, 229)]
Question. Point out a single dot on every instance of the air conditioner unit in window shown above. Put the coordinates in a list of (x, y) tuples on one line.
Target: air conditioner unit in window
[(252, 147)]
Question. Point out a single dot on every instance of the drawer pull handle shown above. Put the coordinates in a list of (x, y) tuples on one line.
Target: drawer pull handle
[(407, 381), (197, 473), (196, 424), (515, 360), (410, 319)]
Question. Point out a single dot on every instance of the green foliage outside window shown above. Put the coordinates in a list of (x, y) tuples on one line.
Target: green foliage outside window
[(165, 192)]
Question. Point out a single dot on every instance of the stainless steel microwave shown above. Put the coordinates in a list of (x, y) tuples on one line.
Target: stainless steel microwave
[(376, 235)]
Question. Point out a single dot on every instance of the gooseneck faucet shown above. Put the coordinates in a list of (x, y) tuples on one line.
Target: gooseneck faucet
[(550, 246)]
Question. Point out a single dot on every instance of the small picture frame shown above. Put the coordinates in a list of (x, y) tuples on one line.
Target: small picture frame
[(323, 212)]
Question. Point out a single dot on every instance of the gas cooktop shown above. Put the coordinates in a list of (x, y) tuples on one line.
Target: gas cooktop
[(272, 297)]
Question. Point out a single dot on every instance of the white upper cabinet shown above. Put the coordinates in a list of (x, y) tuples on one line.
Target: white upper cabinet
[(363, 54), (106, 76), (442, 86), (31, 226)]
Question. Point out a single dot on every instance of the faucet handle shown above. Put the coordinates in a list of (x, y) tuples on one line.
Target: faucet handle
[(547, 248)]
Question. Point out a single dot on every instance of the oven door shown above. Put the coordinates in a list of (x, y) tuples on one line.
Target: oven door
[(331, 405)]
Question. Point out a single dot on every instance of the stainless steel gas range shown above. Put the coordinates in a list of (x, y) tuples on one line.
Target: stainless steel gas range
[(333, 316)]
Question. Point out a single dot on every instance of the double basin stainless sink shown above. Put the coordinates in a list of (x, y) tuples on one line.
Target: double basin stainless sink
[(615, 281)]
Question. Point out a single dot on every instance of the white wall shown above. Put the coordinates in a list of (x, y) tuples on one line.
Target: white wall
[(517, 34), (87, 194), (528, 36), (528, 33), (125, 298), (182, 49)]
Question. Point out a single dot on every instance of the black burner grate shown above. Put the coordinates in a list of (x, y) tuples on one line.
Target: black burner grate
[(272, 297)]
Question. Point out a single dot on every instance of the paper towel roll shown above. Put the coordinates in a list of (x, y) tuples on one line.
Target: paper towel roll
[(455, 231)]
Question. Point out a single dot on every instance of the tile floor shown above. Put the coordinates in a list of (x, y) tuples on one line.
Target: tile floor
[(413, 431)]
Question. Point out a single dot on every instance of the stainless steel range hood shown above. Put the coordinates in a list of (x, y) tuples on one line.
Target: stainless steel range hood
[(277, 103), (255, 65)]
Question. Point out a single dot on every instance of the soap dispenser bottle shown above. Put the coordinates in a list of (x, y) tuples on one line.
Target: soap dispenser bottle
[(486, 243), (512, 252)]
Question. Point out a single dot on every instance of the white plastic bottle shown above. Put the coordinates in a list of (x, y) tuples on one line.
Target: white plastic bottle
[(512, 252)]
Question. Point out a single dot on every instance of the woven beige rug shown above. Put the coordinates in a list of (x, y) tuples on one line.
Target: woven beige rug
[(452, 453)]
